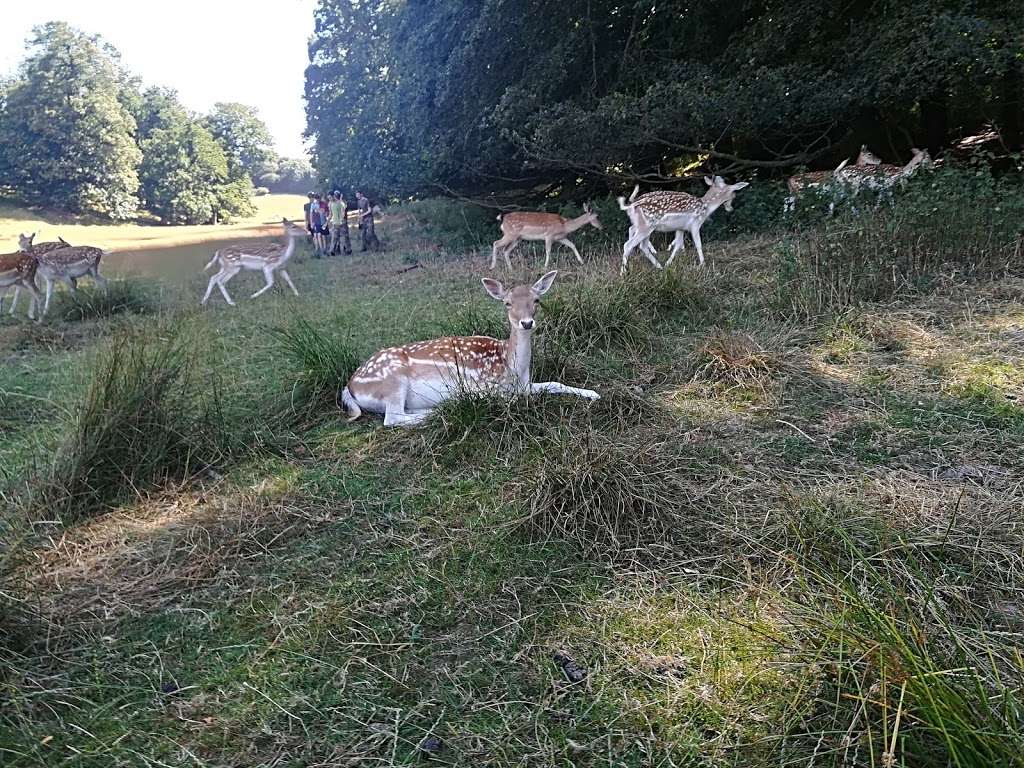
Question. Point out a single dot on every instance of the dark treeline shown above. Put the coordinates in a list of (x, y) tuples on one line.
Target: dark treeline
[(80, 133), (468, 96)]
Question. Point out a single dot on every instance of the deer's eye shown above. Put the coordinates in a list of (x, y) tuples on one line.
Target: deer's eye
[(508, 305)]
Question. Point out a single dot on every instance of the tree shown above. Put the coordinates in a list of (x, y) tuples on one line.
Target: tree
[(469, 95), (244, 137), (185, 174), (66, 138)]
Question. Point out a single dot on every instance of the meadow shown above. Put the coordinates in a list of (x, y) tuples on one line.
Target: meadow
[(788, 534)]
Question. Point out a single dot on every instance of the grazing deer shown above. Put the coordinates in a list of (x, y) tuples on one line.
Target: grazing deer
[(801, 182), (19, 270), (407, 383), (883, 177), (677, 212), (549, 227), (267, 258), (60, 261)]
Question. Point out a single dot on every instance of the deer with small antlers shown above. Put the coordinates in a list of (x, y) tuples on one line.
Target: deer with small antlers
[(678, 212), (534, 225), (19, 270), (270, 258), (407, 383), (802, 182), (58, 260)]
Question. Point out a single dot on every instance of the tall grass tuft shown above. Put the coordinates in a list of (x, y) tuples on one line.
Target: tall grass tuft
[(319, 366), (948, 226), (606, 494), (121, 297), (147, 418)]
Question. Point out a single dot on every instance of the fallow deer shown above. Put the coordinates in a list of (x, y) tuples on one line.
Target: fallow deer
[(678, 212), (19, 270), (883, 177), (57, 260), (533, 225), (267, 258), (406, 383), (802, 182)]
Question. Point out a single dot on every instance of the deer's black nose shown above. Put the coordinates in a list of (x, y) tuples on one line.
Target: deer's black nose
[(527, 324)]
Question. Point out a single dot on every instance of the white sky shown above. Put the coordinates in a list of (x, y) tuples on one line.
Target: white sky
[(251, 51)]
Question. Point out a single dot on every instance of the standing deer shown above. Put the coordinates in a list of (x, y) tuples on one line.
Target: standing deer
[(801, 182), (883, 177), (532, 225), (266, 258), (407, 383), (19, 270), (677, 212), (57, 260)]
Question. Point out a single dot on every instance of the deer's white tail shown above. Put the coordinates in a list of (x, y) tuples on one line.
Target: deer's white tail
[(636, 189), (216, 256), (351, 406)]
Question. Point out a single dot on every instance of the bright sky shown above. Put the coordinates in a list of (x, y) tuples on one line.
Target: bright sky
[(251, 51)]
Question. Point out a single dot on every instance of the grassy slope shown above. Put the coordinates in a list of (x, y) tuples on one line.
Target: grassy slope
[(334, 599), (15, 219)]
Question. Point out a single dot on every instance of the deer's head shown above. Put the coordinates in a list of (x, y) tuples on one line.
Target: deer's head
[(867, 157), (722, 191), (522, 301), (290, 229), (25, 242), (589, 217)]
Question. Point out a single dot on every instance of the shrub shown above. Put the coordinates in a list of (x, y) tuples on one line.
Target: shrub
[(457, 225), (146, 418), (319, 366)]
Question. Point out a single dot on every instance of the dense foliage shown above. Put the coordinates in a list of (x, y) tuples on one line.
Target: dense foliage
[(65, 135), (442, 95), (78, 133)]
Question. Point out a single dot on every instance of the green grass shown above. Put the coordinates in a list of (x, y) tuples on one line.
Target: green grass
[(780, 538)]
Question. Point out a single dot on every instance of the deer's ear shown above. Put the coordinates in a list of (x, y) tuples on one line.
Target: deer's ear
[(709, 181), (494, 288), (740, 185), (543, 285)]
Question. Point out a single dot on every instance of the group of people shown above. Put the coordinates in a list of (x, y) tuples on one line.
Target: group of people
[(327, 223)]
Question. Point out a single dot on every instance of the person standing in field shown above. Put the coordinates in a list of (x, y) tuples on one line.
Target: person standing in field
[(305, 210), (317, 222), (340, 242), (366, 223)]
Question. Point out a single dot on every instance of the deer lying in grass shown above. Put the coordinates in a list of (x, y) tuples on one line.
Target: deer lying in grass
[(532, 225), (407, 383), (802, 182), (19, 270), (677, 212), (57, 260), (267, 258)]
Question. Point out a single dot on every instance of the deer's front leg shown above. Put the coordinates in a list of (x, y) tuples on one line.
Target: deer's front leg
[(268, 274), (678, 244), (49, 295), (288, 279), (557, 388), (567, 242)]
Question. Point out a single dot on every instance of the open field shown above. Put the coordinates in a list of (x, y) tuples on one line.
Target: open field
[(788, 534), (15, 219)]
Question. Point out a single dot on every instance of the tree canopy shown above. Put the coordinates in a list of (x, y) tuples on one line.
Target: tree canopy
[(65, 134), (78, 132), (472, 95), (243, 135)]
